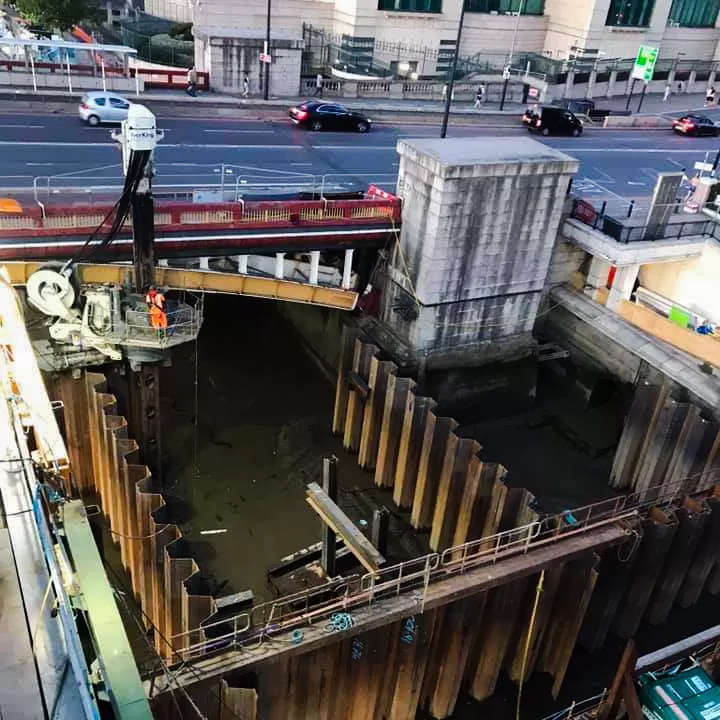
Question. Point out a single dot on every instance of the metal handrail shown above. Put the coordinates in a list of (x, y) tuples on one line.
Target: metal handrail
[(268, 619)]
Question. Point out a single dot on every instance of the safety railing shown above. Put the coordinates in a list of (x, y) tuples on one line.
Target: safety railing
[(170, 216), (582, 710), (183, 325), (623, 232), (249, 629)]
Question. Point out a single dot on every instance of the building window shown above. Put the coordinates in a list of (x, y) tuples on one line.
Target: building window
[(630, 13), (529, 7), (694, 13), (422, 6)]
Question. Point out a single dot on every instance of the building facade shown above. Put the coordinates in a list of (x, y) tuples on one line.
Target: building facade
[(417, 38)]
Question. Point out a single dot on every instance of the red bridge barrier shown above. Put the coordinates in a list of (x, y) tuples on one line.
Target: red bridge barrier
[(186, 229), (184, 216)]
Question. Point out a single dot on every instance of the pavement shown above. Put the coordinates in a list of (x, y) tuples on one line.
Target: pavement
[(56, 152)]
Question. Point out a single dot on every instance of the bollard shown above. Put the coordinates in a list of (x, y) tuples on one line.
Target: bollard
[(631, 206)]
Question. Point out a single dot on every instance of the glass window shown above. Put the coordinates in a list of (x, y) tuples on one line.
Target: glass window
[(100, 101), (118, 103), (426, 6), (630, 13), (529, 7), (694, 13)]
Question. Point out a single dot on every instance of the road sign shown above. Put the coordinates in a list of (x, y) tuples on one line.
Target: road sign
[(645, 63), (265, 58)]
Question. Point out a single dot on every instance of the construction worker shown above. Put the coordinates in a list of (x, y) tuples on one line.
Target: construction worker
[(156, 307)]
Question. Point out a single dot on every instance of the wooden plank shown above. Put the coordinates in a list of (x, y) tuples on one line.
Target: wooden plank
[(476, 500), (380, 372), (238, 703), (412, 662), (411, 442), (333, 516), (437, 434), (692, 517), (461, 625), (460, 452), (391, 429), (497, 629), (362, 355), (342, 389)]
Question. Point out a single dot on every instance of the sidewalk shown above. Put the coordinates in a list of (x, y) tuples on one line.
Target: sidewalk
[(178, 99)]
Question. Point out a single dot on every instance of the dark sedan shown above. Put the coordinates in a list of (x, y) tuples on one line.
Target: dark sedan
[(328, 116), (695, 125)]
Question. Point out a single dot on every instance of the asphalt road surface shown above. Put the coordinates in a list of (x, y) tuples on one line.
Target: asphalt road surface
[(616, 165)]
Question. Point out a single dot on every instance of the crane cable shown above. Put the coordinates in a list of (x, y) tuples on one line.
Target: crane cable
[(528, 639)]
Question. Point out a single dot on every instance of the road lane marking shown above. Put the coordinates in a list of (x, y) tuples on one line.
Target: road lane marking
[(632, 182), (244, 132), (25, 127), (211, 146), (604, 177), (43, 164)]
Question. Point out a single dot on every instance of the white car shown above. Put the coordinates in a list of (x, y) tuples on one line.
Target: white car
[(103, 107)]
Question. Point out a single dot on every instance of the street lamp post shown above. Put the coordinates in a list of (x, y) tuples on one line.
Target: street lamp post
[(266, 83), (453, 70), (508, 69)]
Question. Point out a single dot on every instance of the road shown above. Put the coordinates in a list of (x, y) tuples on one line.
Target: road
[(615, 164)]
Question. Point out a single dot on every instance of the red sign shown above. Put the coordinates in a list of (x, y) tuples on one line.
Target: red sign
[(533, 93), (375, 192), (265, 58), (584, 212)]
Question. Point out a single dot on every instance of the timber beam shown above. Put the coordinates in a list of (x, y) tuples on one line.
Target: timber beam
[(202, 281), (334, 518), (368, 615)]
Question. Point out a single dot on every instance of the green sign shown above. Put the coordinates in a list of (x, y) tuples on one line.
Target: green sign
[(645, 63)]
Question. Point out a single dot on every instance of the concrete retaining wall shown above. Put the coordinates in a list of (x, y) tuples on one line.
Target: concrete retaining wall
[(637, 121), (589, 347)]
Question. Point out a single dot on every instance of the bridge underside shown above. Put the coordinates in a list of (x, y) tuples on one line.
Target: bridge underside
[(204, 281)]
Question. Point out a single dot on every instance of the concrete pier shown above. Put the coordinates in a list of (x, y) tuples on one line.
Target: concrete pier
[(480, 218)]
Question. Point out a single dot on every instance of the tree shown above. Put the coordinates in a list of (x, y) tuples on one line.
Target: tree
[(58, 14)]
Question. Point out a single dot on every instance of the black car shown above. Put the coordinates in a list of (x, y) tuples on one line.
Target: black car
[(328, 116), (695, 125), (550, 120)]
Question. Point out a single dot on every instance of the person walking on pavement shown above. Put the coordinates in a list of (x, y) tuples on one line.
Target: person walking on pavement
[(156, 307), (246, 86), (192, 82), (710, 95), (318, 85), (667, 93), (480, 96)]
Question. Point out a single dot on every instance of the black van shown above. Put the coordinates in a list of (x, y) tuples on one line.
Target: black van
[(551, 120)]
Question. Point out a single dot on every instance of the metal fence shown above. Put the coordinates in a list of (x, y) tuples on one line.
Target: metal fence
[(618, 227), (248, 630)]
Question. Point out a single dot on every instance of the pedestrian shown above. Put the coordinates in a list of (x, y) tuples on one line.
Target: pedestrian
[(710, 95), (480, 96), (666, 94), (246, 86), (318, 85), (192, 82), (680, 88), (156, 308)]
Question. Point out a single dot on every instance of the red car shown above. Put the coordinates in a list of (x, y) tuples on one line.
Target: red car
[(695, 125)]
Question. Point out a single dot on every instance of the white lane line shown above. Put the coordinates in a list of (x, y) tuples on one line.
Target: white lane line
[(604, 177), (631, 182), (243, 132), (26, 127), (666, 151), (39, 164), (676, 163), (211, 146)]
